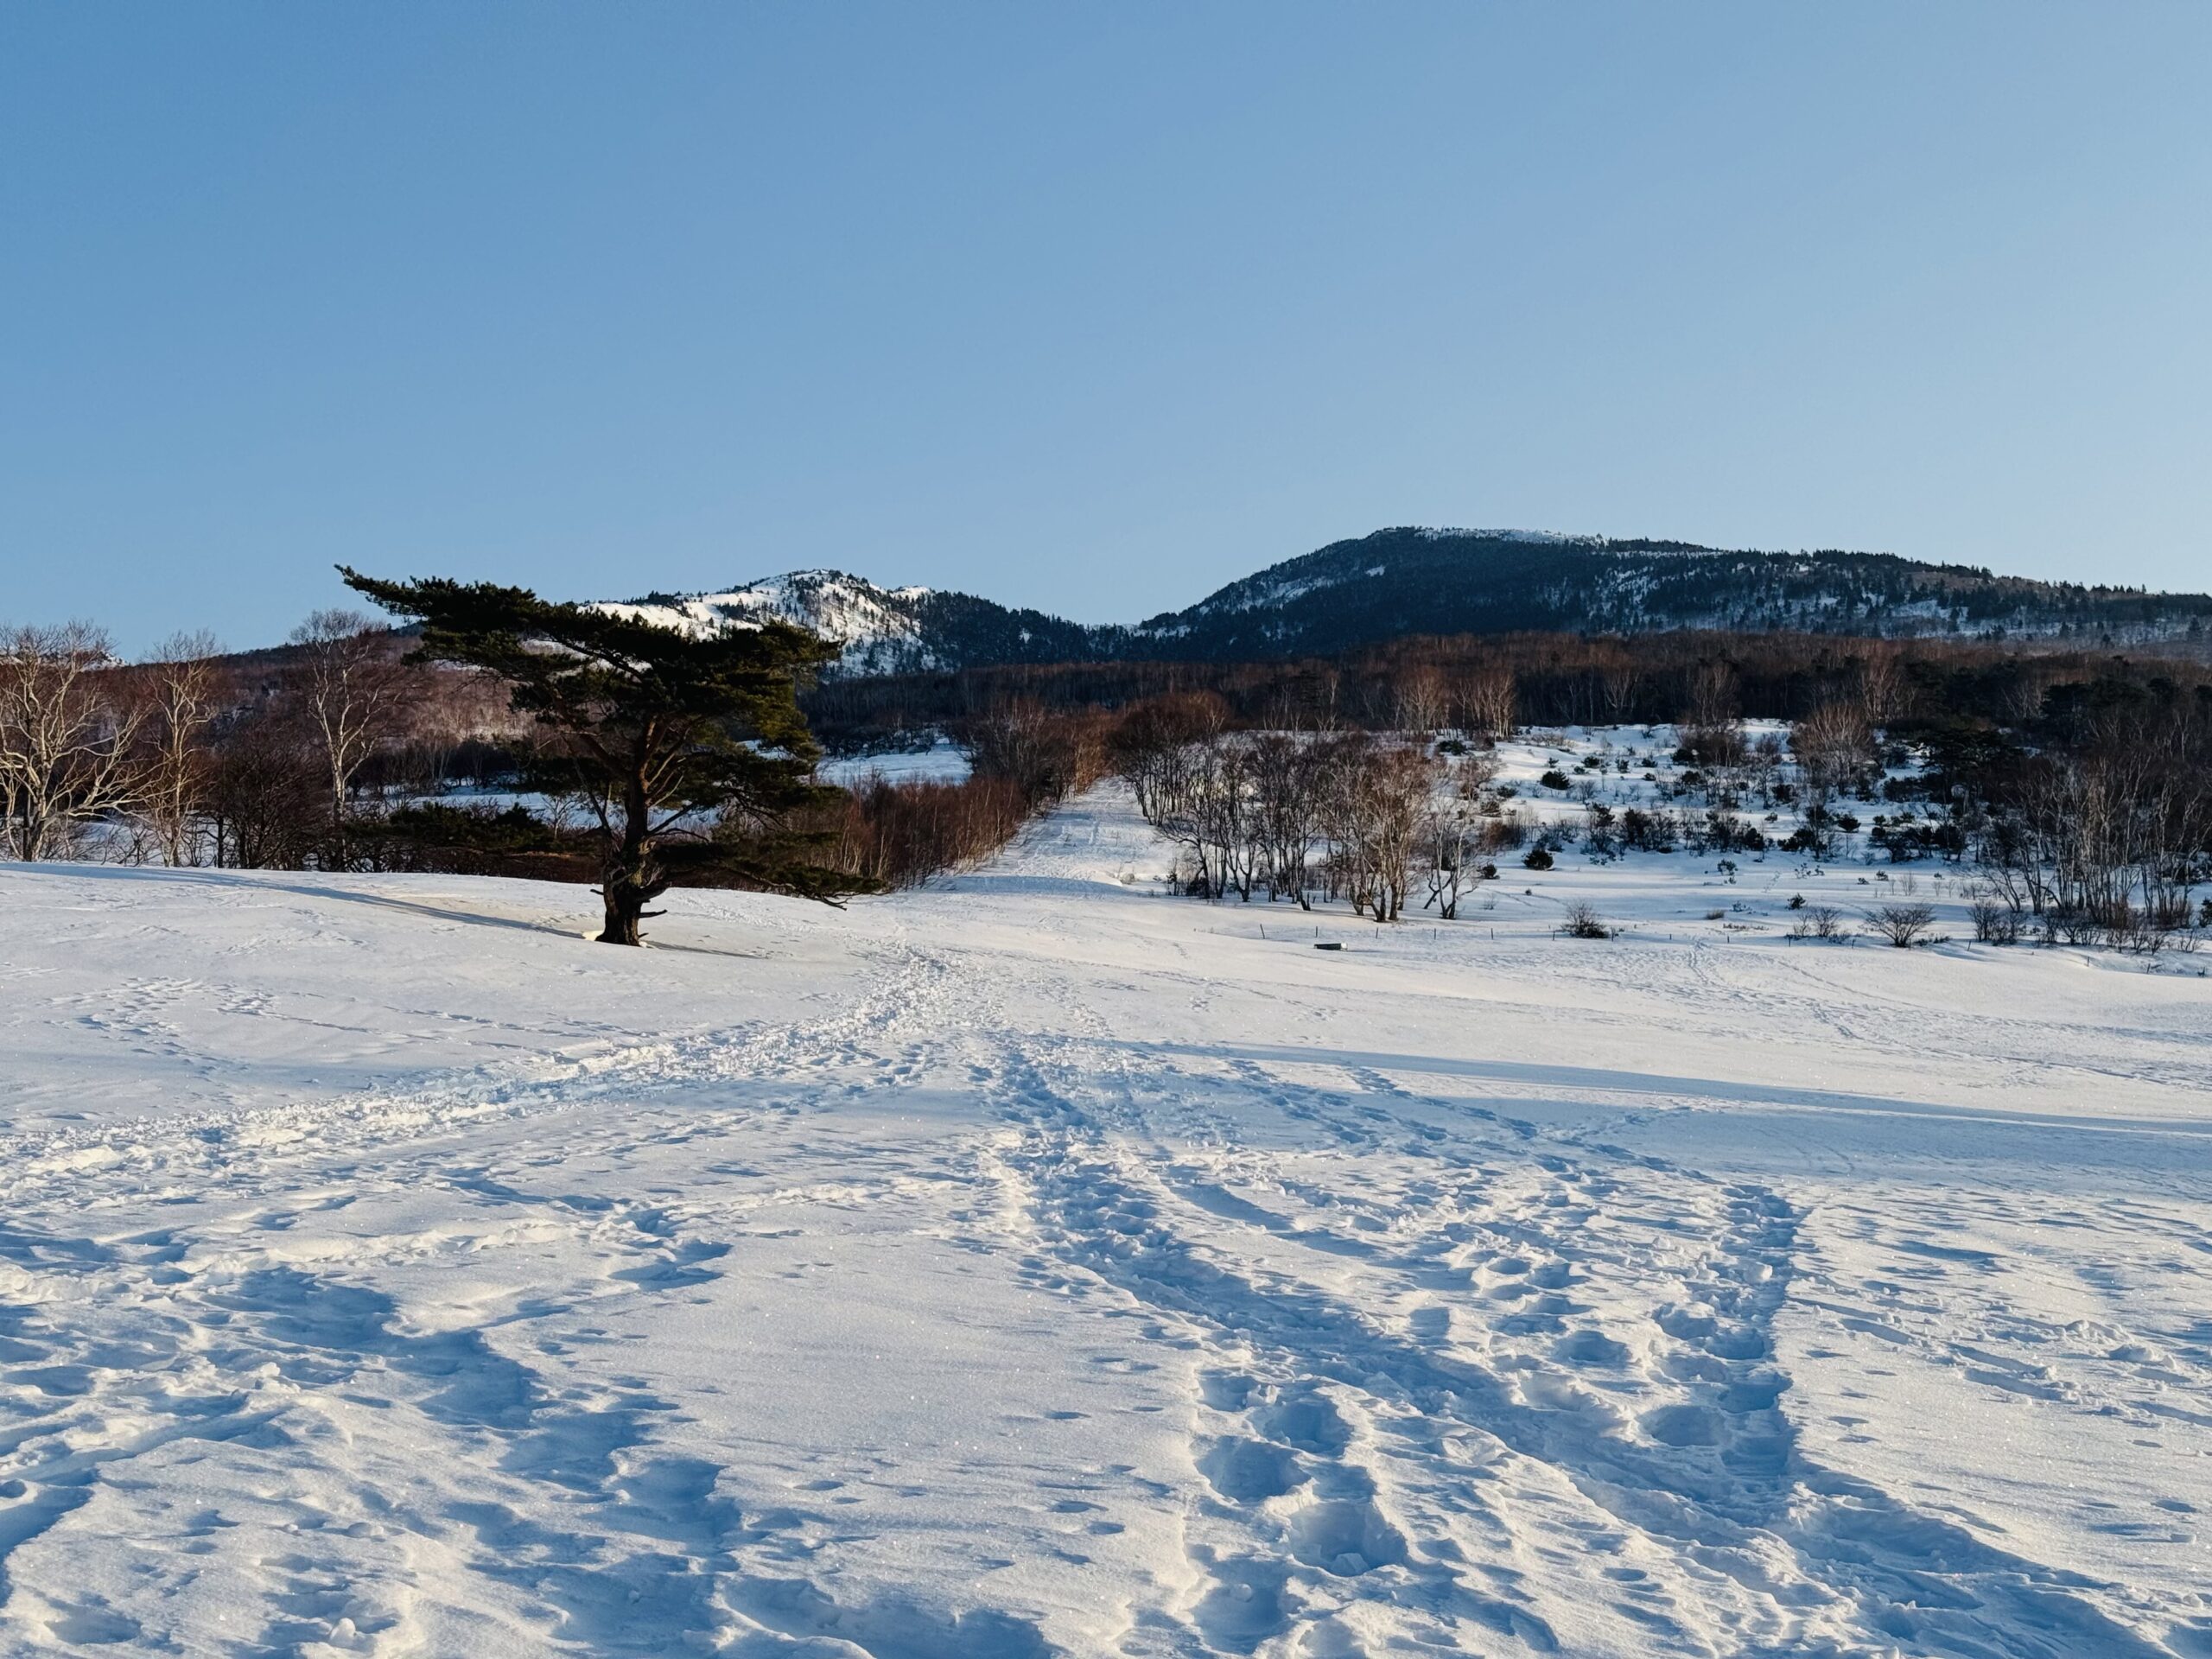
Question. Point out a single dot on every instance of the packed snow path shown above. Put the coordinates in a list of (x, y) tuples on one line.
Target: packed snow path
[(1041, 1264)]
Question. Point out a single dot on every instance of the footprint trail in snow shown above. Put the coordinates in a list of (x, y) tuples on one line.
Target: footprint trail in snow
[(1033, 1267)]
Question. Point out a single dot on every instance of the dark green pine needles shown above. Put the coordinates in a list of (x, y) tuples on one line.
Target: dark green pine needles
[(690, 748)]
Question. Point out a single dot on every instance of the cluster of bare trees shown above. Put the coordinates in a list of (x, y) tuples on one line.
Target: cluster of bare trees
[(193, 758), (1045, 756), (1488, 685), (892, 834), (2105, 841), (69, 751), (1478, 698), (1379, 822), (1836, 753)]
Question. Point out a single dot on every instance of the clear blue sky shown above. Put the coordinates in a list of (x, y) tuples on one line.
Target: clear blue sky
[(1090, 307)]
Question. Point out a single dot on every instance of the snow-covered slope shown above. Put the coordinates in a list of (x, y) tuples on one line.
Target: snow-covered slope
[(1044, 1264), (878, 627), (881, 629)]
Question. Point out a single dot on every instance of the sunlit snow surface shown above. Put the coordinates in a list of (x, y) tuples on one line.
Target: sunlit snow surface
[(941, 763), (875, 628), (1043, 1263)]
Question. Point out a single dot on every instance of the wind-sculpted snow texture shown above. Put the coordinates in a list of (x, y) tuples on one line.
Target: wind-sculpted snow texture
[(1041, 1264)]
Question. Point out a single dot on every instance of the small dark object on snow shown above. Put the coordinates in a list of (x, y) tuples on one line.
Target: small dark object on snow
[(1328, 945)]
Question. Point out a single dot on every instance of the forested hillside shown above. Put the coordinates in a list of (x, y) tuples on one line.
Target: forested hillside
[(1397, 583)]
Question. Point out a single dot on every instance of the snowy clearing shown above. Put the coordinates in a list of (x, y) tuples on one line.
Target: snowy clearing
[(1038, 1263), (943, 762)]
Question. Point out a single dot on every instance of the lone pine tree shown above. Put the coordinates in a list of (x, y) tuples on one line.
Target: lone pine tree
[(690, 749)]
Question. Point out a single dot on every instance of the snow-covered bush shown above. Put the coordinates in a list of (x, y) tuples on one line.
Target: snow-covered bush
[(1583, 922), (1901, 925)]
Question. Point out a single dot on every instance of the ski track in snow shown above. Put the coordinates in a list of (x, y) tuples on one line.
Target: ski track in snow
[(1355, 1354)]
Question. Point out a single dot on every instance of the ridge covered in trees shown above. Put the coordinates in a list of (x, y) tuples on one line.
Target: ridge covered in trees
[(1399, 582)]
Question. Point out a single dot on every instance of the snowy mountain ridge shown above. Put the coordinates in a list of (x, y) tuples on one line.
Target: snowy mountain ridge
[(1417, 580), (879, 630)]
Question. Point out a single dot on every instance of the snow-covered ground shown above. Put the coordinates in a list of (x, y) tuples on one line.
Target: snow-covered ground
[(1038, 1263), (943, 762)]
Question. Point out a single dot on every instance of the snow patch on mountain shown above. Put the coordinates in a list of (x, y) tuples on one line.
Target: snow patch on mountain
[(878, 628)]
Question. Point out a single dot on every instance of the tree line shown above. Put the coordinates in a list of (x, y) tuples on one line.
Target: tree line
[(192, 757), (631, 757), (2075, 785), (1485, 682)]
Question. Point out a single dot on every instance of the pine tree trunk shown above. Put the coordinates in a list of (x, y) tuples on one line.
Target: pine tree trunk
[(625, 908), (628, 884)]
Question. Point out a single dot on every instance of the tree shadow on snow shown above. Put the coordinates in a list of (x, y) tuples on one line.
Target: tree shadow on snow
[(258, 881), (1649, 1082)]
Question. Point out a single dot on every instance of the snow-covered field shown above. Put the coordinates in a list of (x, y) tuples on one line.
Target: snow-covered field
[(1038, 1263), (941, 763)]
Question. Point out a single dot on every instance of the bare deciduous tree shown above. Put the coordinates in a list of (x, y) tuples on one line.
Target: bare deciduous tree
[(1620, 680), (1456, 833), (1288, 774), (1834, 748), (66, 741), (1818, 922), (1378, 815), (1881, 684), (1581, 921), (264, 794), (1045, 756), (179, 687), (1901, 924), (1995, 915), (348, 688), (1151, 747), (1714, 700), (1487, 702), (1204, 800), (1424, 700)]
